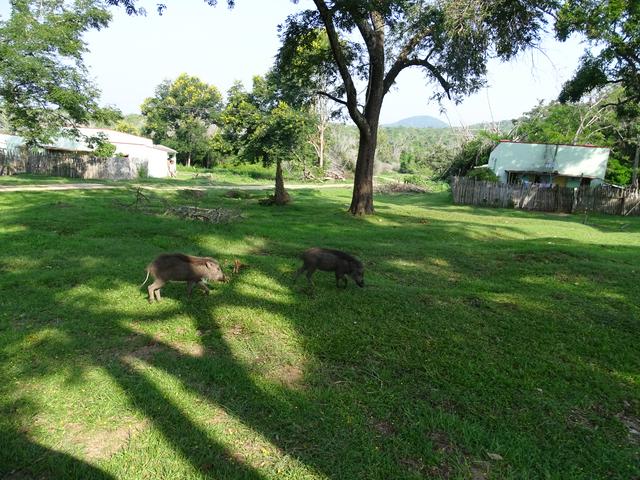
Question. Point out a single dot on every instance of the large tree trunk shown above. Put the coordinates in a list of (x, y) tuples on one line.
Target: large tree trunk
[(372, 29), (362, 199), (281, 196)]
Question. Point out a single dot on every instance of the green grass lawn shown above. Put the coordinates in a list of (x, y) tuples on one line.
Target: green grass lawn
[(232, 175), (30, 179), (487, 344), (185, 177)]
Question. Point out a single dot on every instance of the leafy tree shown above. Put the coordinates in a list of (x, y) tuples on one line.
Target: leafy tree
[(472, 153), (569, 123), (612, 57), (484, 174), (450, 41), (613, 28), (258, 127), (43, 80), (132, 123), (180, 115), (302, 71), (105, 150)]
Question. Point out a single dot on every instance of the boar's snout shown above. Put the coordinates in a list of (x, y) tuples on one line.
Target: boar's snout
[(214, 272), (358, 277)]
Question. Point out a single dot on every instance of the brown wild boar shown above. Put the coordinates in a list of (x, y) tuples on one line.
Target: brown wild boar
[(178, 267), (331, 261)]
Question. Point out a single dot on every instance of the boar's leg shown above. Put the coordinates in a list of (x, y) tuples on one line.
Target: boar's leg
[(298, 272), (340, 276), (204, 287), (310, 272), (190, 286), (154, 289)]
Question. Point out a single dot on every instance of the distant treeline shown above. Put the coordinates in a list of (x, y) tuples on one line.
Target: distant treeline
[(444, 152)]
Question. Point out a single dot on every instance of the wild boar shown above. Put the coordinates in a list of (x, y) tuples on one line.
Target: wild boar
[(331, 261), (178, 267)]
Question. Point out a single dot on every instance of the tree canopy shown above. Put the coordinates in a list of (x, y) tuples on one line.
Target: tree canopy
[(180, 115), (258, 126), (373, 42), (612, 29), (43, 81)]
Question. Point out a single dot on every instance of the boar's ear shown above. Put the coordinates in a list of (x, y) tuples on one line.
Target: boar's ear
[(211, 264)]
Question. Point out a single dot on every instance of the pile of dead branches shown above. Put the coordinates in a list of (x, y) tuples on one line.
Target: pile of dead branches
[(335, 173), (209, 215), (397, 187), (151, 204)]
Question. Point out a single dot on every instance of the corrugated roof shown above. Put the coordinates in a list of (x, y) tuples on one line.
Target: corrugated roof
[(560, 144), (547, 172), (165, 149), (67, 149)]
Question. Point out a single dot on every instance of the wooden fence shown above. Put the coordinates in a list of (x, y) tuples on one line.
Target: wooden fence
[(600, 199), (69, 165)]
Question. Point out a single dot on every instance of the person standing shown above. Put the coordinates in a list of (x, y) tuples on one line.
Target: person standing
[(172, 167)]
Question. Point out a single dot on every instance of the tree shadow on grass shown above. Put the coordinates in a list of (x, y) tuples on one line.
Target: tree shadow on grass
[(21, 457), (435, 364)]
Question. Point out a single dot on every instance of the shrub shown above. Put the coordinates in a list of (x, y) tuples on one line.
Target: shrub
[(482, 174), (105, 150), (143, 170), (252, 170), (417, 180), (472, 153), (426, 183)]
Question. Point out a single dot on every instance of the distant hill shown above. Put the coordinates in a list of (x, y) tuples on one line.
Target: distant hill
[(421, 121)]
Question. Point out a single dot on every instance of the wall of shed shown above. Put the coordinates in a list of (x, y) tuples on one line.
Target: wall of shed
[(139, 149), (570, 161), (157, 160)]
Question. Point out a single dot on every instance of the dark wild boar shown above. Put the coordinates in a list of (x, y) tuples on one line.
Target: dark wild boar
[(331, 261), (178, 267)]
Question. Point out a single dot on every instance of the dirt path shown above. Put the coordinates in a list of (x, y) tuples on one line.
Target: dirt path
[(246, 187), (99, 186), (55, 186)]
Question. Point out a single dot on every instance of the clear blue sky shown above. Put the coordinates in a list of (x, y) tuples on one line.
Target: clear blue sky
[(219, 45)]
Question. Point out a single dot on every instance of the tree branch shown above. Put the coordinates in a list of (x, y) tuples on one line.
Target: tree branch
[(335, 99), (338, 55), (424, 62), (373, 36), (400, 62)]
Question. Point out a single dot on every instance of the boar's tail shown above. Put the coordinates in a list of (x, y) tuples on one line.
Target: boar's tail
[(145, 280)]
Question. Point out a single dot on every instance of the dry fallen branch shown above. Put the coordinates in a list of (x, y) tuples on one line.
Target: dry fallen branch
[(142, 201), (208, 176), (335, 174), (154, 205), (209, 215), (398, 187)]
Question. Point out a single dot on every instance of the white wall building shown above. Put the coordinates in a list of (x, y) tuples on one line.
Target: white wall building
[(142, 151), (138, 148), (564, 165)]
